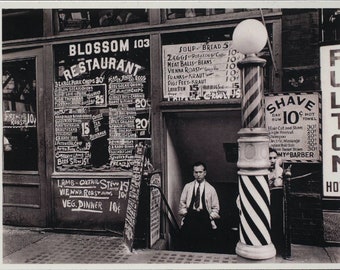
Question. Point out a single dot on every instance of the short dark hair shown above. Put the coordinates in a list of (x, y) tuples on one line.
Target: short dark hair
[(199, 163), (272, 150)]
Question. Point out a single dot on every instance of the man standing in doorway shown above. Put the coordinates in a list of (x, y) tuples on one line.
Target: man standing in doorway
[(276, 199), (199, 207)]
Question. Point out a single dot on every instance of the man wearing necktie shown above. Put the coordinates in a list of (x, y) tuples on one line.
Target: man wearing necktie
[(199, 207)]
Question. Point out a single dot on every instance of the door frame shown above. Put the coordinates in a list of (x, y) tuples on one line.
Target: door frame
[(26, 212)]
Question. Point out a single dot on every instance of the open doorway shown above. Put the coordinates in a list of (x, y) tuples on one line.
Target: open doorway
[(203, 136)]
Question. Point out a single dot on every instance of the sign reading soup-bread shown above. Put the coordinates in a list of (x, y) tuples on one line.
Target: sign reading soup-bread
[(201, 71)]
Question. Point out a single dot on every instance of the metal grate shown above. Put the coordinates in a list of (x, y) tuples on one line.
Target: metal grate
[(184, 257)]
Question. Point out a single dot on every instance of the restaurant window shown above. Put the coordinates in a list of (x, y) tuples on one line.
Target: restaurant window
[(77, 19), (101, 103), (193, 12), (15, 20), (19, 115)]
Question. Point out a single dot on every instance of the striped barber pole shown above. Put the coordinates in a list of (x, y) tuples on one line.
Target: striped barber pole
[(255, 214), (253, 97), (253, 163)]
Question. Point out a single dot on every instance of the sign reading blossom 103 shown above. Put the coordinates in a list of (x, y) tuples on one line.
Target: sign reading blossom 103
[(293, 123), (330, 83), (101, 103), (201, 71)]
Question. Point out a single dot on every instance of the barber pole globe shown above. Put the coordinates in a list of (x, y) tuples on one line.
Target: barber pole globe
[(253, 163)]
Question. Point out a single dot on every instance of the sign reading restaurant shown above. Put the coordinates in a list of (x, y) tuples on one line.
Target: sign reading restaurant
[(330, 83)]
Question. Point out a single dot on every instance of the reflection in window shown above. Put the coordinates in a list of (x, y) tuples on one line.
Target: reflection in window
[(191, 12), (19, 115), (70, 19)]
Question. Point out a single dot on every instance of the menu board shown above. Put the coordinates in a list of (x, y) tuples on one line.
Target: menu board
[(201, 71), (293, 123), (93, 200), (101, 103), (155, 209), (133, 200)]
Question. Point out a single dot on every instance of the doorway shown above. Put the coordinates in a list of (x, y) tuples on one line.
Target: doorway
[(24, 177), (203, 136)]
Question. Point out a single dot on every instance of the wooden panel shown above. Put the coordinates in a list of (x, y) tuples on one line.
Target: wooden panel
[(16, 216), (21, 196)]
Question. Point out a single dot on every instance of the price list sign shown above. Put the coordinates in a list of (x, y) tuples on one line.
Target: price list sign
[(101, 103), (293, 122), (91, 199), (201, 71)]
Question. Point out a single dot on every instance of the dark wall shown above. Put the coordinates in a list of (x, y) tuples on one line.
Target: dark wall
[(300, 49), (200, 136), (301, 72)]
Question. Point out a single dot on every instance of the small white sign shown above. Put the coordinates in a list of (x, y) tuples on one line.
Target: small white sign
[(294, 126)]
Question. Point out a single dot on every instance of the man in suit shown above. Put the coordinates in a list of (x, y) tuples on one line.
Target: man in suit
[(199, 207)]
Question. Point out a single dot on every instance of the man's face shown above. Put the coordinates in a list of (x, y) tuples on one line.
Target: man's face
[(199, 173), (272, 159)]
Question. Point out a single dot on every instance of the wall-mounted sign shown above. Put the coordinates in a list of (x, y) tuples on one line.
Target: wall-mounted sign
[(330, 84), (293, 123), (201, 71), (92, 200), (101, 103)]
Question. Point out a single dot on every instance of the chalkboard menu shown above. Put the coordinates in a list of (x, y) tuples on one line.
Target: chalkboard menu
[(133, 200), (201, 71), (94, 201), (101, 103)]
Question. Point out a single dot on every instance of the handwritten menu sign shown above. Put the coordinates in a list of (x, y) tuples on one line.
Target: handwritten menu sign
[(201, 71), (293, 123), (133, 200), (101, 103), (94, 200), (155, 209)]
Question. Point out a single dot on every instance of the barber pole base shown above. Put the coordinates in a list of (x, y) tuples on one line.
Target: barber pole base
[(255, 252), (254, 195)]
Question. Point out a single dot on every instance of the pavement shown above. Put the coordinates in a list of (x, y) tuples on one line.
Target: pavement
[(25, 248)]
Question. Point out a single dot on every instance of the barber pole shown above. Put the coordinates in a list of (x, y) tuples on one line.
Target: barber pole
[(253, 163)]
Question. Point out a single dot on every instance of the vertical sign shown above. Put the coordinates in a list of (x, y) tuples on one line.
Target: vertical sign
[(330, 83), (155, 209), (293, 123), (133, 200)]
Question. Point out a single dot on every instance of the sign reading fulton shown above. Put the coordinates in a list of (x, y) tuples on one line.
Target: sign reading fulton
[(330, 83)]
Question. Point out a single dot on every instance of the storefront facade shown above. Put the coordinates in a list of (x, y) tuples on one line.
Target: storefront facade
[(83, 87)]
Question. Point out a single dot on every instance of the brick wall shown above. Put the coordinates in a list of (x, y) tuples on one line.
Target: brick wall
[(305, 205), (300, 37), (300, 49)]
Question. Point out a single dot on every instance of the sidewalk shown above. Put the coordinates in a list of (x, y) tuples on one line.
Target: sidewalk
[(34, 246)]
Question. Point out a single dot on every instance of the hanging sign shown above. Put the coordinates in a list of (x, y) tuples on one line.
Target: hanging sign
[(330, 85), (293, 123), (201, 71)]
